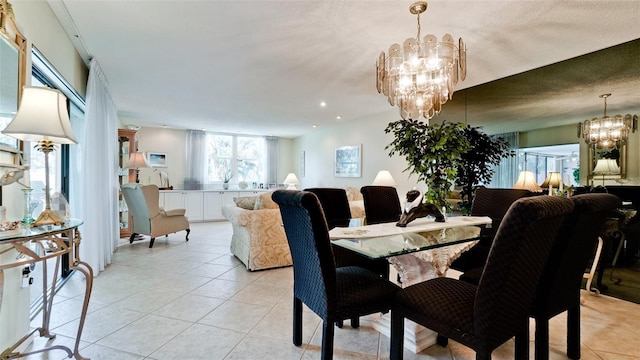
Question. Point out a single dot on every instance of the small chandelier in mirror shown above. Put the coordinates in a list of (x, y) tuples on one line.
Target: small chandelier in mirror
[(608, 132), (420, 75)]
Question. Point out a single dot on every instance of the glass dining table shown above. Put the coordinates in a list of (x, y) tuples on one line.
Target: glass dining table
[(388, 240), (420, 251)]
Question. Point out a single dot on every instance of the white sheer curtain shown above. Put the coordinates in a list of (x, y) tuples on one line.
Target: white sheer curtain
[(506, 173), (196, 159), (272, 160), (100, 232)]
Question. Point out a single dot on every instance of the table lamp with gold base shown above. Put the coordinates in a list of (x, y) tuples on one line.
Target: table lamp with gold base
[(43, 117)]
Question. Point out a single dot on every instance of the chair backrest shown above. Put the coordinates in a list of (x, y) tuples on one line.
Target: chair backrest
[(381, 204), (335, 205), (314, 270), (494, 203), (559, 286), (143, 203), (514, 266)]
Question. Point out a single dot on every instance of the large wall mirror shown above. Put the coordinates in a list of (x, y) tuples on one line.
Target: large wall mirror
[(13, 50), (607, 163)]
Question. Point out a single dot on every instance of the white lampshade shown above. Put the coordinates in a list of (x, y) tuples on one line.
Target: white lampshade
[(137, 160), (606, 167), (291, 180), (42, 115), (384, 178), (553, 179), (527, 181)]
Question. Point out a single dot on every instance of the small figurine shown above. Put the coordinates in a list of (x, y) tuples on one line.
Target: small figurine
[(414, 208)]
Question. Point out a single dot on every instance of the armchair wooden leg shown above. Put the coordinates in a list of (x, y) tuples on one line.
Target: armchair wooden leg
[(188, 231), (151, 243), (132, 237)]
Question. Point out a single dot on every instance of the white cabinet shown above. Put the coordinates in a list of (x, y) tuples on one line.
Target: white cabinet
[(191, 201), (201, 205), (213, 205)]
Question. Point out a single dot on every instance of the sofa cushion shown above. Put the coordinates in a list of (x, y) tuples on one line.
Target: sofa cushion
[(264, 202), (353, 193), (246, 202)]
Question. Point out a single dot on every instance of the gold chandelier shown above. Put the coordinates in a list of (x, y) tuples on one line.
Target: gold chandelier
[(420, 75), (608, 132)]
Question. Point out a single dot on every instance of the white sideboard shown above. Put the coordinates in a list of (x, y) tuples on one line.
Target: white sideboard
[(202, 205)]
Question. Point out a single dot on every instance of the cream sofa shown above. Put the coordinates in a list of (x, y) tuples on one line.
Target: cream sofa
[(258, 238)]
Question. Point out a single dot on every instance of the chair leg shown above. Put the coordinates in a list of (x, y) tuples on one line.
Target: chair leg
[(340, 324), (573, 332), (187, 236), (522, 344), (355, 322), (397, 336), (327, 340), (297, 321), (132, 237), (151, 243), (541, 351), (480, 355)]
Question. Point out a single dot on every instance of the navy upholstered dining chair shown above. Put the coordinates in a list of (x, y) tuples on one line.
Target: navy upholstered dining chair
[(333, 293), (559, 286), (335, 206), (381, 204), (493, 203), (485, 316)]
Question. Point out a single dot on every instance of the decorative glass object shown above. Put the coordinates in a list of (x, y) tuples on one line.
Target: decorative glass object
[(26, 218)]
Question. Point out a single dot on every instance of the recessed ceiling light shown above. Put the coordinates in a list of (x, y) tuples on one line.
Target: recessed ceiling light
[(314, 126), (323, 104), (338, 117)]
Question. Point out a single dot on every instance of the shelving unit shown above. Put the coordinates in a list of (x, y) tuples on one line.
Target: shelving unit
[(127, 144)]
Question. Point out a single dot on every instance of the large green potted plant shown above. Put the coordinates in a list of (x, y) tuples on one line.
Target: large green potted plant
[(476, 167), (431, 152)]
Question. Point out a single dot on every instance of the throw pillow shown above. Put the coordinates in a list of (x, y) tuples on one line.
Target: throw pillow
[(246, 202), (353, 193), (264, 201)]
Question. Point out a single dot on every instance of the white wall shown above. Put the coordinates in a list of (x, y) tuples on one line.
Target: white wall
[(369, 131), (173, 143), (41, 28), (319, 148)]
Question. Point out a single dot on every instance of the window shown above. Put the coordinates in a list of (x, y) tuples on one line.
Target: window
[(241, 158), (561, 158)]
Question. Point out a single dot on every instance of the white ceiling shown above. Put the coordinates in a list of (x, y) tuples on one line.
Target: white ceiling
[(263, 67)]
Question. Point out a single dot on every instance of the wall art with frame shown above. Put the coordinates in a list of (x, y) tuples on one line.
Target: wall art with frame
[(348, 161), (157, 159)]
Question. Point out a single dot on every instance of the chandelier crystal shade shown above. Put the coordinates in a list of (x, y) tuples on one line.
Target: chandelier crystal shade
[(419, 76), (608, 132)]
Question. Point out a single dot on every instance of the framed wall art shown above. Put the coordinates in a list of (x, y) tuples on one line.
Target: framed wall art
[(348, 161), (156, 159)]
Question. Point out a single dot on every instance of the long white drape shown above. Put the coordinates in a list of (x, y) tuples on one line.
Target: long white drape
[(196, 158), (100, 231), (272, 160), (506, 173)]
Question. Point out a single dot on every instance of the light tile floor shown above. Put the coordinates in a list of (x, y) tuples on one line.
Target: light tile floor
[(194, 300)]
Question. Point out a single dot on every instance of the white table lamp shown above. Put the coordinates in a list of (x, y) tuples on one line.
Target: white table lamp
[(606, 167), (43, 118), (291, 181), (527, 181), (137, 160), (384, 178)]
